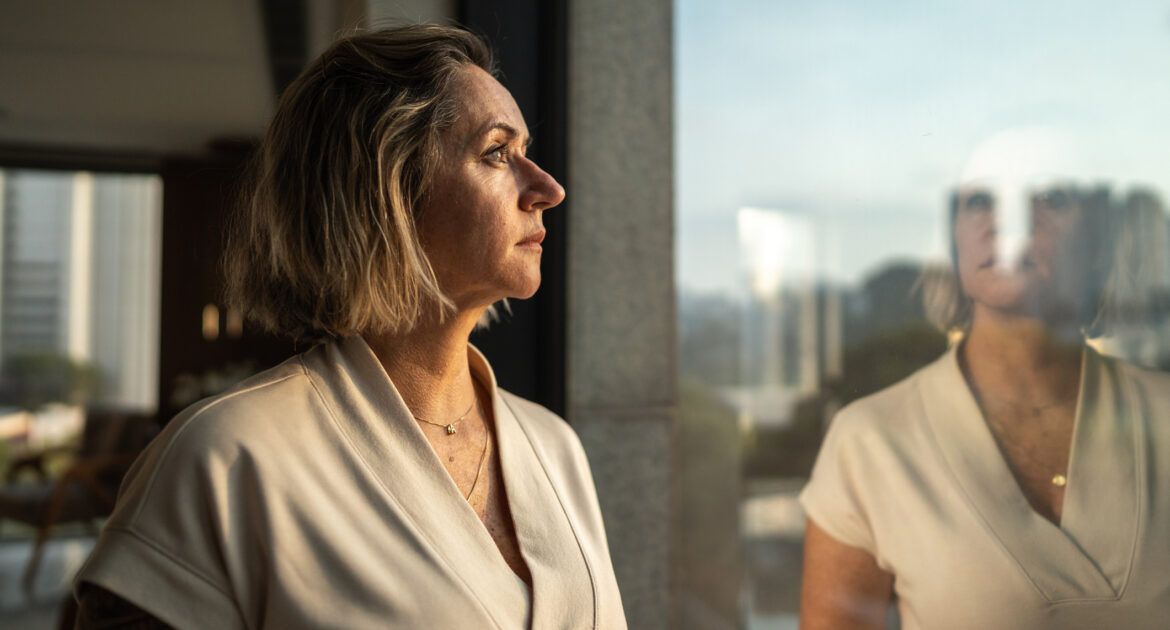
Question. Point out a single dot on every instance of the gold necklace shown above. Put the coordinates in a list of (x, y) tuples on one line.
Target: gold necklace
[(487, 440), (1034, 409), (452, 427), (1058, 479)]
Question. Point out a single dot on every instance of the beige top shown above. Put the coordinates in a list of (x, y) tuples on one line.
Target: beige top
[(913, 475), (308, 497)]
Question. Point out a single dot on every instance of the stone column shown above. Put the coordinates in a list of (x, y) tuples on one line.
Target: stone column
[(621, 346)]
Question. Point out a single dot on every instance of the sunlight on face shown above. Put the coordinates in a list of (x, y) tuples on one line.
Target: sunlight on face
[(481, 224)]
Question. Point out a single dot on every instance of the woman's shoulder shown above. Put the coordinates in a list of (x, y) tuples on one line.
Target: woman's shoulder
[(891, 412), (208, 471), (1151, 380), (1146, 390), (270, 412), (550, 435), (283, 392)]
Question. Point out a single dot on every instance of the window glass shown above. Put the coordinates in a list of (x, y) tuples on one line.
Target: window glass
[(863, 188), (79, 303)]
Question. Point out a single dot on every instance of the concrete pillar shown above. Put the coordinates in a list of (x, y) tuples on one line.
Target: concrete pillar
[(621, 346)]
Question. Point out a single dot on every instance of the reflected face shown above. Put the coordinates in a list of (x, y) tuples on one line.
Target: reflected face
[(481, 223), (1048, 276)]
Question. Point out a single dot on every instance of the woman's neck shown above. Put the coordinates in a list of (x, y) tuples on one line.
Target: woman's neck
[(429, 366), (1020, 358)]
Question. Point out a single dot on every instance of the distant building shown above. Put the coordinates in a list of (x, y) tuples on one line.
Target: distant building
[(792, 337), (79, 275), (34, 258)]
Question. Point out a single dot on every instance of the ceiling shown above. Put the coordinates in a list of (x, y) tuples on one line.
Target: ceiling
[(161, 77), (146, 76)]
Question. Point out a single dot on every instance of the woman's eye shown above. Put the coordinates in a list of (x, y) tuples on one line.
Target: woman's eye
[(979, 201), (1055, 199), (498, 154)]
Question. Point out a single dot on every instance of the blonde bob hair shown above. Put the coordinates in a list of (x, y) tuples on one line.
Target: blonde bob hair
[(1125, 253), (324, 243)]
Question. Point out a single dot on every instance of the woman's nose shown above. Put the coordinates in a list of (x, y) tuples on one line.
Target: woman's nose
[(1013, 227), (542, 191)]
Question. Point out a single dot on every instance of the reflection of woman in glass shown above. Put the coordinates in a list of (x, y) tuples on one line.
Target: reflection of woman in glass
[(1020, 481)]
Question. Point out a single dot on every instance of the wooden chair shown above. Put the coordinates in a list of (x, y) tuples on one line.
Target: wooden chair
[(86, 490)]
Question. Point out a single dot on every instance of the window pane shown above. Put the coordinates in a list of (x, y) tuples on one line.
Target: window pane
[(79, 290), (857, 184)]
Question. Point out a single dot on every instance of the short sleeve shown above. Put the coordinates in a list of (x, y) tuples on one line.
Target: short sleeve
[(165, 547), (834, 497), (162, 584)]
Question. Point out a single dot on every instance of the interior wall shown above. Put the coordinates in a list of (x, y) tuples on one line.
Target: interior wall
[(397, 11)]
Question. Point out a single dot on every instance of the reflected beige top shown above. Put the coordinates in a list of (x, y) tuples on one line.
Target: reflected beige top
[(913, 475), (307, 497)]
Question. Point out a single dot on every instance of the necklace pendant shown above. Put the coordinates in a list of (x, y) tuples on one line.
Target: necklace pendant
[(451, 429), (1059, 481)]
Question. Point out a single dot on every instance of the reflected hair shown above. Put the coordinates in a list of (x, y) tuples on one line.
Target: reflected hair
[(324, 243), (1138, 282)]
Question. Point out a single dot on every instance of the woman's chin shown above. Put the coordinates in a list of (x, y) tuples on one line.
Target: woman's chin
[(515, 291), (525, 285), (527, 291)]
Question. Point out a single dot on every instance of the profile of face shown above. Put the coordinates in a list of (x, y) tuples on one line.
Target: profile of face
[(1047, 277), (481, 222)]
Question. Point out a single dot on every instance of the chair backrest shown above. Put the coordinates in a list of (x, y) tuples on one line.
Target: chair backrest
[(115, 432)]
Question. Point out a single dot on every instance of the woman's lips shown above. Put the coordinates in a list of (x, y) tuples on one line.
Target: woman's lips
[(532, 241), (1027, 262)]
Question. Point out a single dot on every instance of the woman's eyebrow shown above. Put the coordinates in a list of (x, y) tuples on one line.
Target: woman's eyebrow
[(501, 126)]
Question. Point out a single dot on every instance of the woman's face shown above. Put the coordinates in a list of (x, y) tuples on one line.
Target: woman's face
[(1047, 277), (481, 223)]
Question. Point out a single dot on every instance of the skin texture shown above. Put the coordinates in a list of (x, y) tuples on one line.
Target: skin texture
[(842, 588), (487, 198), (1021, 359), (478, 225)]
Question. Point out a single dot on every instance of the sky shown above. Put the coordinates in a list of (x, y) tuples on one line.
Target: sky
[(855, 118)]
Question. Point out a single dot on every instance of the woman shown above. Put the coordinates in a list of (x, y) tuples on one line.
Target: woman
[(1019, 481), (380, 479)]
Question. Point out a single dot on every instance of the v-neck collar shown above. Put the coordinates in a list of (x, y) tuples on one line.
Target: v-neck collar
[(380, 429), (549, 545), (382, 432), (561, 575), (1090, 554)]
